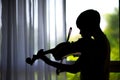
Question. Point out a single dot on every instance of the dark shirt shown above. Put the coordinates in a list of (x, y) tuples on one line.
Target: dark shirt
[(93, 56)]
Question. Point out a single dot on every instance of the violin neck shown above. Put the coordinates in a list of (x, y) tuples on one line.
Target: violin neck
[(48, 51)]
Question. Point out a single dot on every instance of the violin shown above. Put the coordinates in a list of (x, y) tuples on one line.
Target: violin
[(36, 57), (55, 54)]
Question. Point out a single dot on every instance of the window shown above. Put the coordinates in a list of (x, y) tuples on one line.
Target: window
[(109, 23)]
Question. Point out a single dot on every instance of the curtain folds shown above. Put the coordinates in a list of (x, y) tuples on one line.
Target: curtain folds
[(27, 26)]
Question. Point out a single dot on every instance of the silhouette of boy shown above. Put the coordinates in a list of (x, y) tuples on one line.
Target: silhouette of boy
[(93, 46)]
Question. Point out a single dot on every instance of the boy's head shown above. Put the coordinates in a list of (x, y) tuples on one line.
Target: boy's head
[(88, 20)]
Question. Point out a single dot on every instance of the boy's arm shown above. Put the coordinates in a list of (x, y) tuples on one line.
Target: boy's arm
[(73, 68)]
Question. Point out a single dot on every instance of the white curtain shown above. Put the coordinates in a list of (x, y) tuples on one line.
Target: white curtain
[(27, 26)]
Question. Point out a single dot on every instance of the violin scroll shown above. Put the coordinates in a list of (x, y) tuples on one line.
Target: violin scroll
[(34, 58), (31, 60)]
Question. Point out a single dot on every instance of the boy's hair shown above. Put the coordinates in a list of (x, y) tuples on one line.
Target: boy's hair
[(89, 19)]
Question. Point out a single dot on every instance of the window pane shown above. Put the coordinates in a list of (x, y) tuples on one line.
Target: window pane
[(114, 76)]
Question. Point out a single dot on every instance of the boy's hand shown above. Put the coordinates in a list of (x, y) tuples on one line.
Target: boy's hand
[(40, 54)]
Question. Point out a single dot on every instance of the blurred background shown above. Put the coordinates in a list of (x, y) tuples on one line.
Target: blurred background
[(29, 25)]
